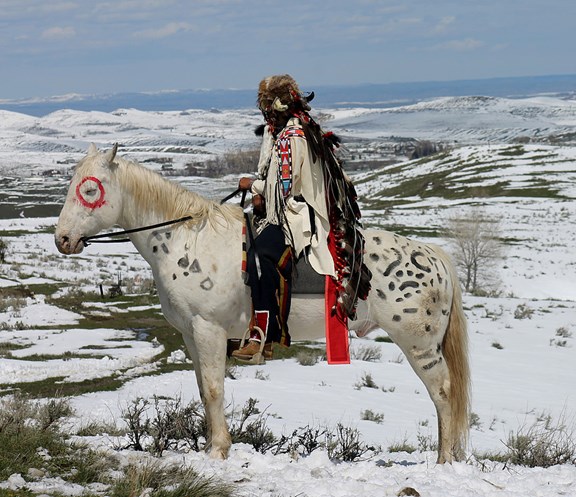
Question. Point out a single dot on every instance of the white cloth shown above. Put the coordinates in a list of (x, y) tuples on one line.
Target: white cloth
[(307, 182)]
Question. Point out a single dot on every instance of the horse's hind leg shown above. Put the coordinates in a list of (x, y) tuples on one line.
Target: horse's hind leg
[(431, 368), (442, 365), (207, 347)]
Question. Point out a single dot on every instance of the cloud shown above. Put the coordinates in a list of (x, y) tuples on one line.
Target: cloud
[(165, 31), (464, 45), (443, 24), (58, 33), (33, 9)]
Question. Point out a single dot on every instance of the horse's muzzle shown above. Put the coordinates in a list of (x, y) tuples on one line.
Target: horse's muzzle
[(67, 245)]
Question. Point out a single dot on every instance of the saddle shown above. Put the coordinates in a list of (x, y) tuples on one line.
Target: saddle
[(307, 280)]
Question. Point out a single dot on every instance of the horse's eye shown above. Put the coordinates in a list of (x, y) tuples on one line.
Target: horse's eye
[(90, 191)]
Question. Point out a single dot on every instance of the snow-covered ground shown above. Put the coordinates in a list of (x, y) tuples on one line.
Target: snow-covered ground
[(522, 343)]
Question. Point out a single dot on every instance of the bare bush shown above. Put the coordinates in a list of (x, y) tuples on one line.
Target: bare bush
[(138, 423), (344, 444), (369, 415), (546, 443), (250, 427), (522, 311), (366, 381), (303, 441), (368, 353), (308, 358), (165, 424)]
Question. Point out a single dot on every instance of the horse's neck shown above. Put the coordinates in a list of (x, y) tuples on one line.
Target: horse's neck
[(134, 182), (150, 199)]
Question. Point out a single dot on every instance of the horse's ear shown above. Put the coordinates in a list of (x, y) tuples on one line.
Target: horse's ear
[(111, 154), (92, 149)]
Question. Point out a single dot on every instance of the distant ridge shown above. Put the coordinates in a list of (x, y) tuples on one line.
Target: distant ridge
[(365, 95)]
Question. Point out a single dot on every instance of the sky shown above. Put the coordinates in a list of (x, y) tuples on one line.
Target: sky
[(98, 46)]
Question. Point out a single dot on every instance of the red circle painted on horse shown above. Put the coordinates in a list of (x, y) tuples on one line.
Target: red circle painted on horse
[(99, 202)]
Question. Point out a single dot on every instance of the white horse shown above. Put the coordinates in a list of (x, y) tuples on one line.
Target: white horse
[(415, 294)]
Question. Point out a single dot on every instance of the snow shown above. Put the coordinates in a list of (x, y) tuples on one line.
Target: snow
[(520, 369)]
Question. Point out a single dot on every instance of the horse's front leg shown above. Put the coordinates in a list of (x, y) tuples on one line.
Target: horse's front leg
[(207, 347)]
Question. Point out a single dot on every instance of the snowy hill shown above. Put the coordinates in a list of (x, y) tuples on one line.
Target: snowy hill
[(466, 120), (483, 171), (200, 134)]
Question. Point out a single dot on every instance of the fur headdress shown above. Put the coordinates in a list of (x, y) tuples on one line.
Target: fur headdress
[(280, 94)]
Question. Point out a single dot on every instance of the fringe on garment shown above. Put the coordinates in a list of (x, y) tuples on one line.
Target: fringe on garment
[(352, 275)]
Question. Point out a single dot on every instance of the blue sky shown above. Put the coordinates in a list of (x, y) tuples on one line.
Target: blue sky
[(58, 47)]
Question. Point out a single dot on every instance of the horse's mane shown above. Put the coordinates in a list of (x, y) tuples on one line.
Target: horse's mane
[(169, 199)]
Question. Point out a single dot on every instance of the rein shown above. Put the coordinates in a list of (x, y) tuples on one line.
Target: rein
[(87, 240)]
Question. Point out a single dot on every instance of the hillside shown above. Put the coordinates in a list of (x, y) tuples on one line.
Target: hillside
[(474, 172)]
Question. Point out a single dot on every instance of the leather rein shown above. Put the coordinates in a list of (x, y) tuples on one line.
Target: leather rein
[(109, 237)]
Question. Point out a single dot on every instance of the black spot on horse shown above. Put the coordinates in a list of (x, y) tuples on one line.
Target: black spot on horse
[(380, 294), (377, 240), (414, 260), (164, 248), (183, 262), (393, 264), (410, 310), (409, 284), (432, 364), (374, 257), (391, 286), (396, 317)]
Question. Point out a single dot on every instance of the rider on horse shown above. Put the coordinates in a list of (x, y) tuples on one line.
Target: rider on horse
[(304, 206)]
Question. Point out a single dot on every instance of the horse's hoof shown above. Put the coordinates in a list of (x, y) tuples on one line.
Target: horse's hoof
[(218, 454)]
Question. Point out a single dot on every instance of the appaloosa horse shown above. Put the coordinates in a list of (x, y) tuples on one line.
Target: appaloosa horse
[(415, 293)]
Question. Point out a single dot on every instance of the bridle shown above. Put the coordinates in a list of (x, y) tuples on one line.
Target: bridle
[(110, 237)]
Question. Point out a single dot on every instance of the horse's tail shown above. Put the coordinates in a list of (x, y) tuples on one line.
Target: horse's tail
[(455, 351)]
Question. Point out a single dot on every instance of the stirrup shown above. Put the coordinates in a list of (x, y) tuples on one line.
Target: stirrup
[(259, 357)]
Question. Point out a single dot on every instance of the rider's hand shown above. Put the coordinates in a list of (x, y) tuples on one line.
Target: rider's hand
[(245, 184), (259, 205)]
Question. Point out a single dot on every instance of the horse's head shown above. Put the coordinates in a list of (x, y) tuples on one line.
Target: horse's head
[(93, 202)]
